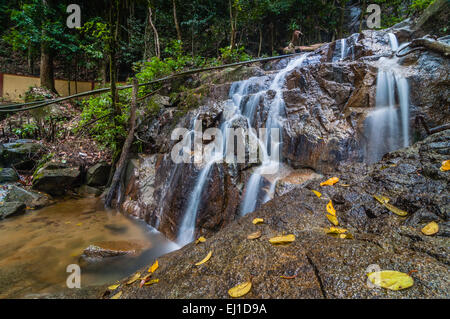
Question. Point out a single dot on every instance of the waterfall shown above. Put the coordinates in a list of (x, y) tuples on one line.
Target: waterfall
[(386, 132), (238, 108), (343, 47)]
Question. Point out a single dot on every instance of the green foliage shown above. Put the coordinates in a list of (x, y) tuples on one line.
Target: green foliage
[(420, 5), (28, 130), (236, 55)]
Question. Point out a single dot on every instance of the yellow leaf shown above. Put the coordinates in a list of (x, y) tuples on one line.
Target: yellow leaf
[(113, 287), (151, 282), (153, 268), (336, 230), (240, 290), (200, 240), (330, 209), (258, 221), (348, 236), (117, 295), (391, 279), (345, 185), (330, 182), (79, 224), (430, 229), (317, 193), (282, 239), (382, 199), (445, 166), (254, 235), (395, 210), (333, 219), (134, 278), (204, 259)]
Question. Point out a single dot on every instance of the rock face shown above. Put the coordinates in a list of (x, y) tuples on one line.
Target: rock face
[(8, 209), (327, 266), (21, 153), (56, 178), (98, 174), (31, 199), (327, 99), (8, 175)]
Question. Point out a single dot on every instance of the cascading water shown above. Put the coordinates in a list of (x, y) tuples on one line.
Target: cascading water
[(386, 132), (343, 49), (236, 109)]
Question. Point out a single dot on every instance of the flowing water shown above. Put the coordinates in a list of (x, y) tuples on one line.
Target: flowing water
[(238, 108), (36, 248), (387, 131)]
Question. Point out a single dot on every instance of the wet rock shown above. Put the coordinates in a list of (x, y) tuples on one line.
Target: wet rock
[(23, 154), (8, 209), (8, 175), (326, 266), (56, 178), (98, 174), (109, 249), (30, 198)]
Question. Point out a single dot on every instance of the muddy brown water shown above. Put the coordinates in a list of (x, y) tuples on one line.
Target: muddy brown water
[(37, 247)]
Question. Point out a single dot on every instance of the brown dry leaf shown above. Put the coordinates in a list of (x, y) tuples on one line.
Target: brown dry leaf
[(330, 208), (445, 166), (135, 277), (430, 229), (240, 290), (330, 182), (254, 235), (153, 267), (258, 221), (282, 239), (333, 219), (204, 259)]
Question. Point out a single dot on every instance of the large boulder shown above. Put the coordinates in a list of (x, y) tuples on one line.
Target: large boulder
[(98, 174), (8, 209), (8, 175), (30, 198), (56, 178), (21, 153)]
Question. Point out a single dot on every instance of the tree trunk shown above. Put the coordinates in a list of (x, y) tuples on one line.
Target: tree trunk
[(260, 42), (157, 47), (363, 13), (341, 19), (114, 24), (125, 149), (177, 26), (233, 26)]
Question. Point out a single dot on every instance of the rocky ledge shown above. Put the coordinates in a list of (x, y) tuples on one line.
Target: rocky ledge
[(324, 266)]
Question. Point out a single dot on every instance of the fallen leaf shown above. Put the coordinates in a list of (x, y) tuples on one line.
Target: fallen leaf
[(79, 224), (200, 240), (382, 199), (390, 279), (153, 267), (289, 277), (445, 166), (240, 290), (135, 277), (258, 221), (430, 229), (204, 259), (317, 193), (282, 239), (254, 235), (395, 210), (346, 236), (336, 230), (333, 219), (113, 287), (344, 185), (151, 282), (117, 295), (330, 208), (330, 182)]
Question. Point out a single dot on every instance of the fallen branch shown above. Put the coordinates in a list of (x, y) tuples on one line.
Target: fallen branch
[(426, 43), (125, 149)]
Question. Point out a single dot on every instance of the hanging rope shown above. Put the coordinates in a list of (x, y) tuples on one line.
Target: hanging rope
[(38, 104)]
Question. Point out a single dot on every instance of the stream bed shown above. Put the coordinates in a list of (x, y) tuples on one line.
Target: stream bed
[(37, 247)]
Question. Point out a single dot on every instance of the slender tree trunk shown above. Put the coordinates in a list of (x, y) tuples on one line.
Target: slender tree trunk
[(363, 13), (233, 26), (125, 149), (260, 42), (341, 19), (157, 47), (46, 67), (175, 19), (114, 23)]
